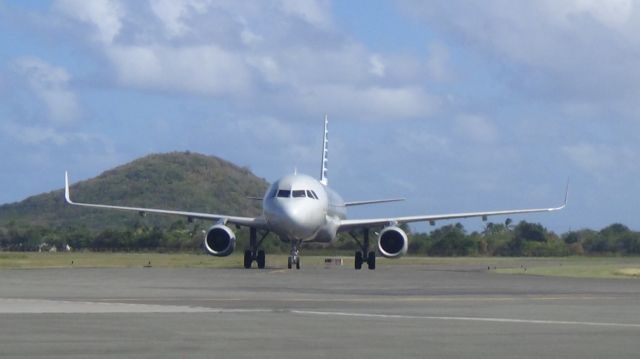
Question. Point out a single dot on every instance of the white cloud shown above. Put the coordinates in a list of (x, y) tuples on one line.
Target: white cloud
[(314, 12), (438, 62), (225, 49), (376, 66), (602, 160), (249, 37), (170, 12), (268, 69), (424, 143), (370, 103), (611, 13), (268, 130), (206, 70), (576, 50), (174, 13), (51, 84), (476, 128), (104, 15), (33, 135), (45, 135)]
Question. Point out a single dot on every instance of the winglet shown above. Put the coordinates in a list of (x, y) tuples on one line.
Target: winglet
[(67, 196), (566, 193), (566, 198)]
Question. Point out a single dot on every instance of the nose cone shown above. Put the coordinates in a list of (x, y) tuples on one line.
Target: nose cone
[(300, 220), (293, 218)]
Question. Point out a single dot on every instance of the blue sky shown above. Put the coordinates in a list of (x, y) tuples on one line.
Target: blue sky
[(456, 105)]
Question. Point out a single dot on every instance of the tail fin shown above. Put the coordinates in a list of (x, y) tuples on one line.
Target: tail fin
[(325, 151)]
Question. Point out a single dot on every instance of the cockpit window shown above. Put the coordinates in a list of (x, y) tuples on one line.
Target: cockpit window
[(310, 195), (299, 193), (284, 193), (314, 194)]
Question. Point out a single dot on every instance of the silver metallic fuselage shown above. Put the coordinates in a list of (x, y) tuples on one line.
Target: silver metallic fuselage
[(313, 217)]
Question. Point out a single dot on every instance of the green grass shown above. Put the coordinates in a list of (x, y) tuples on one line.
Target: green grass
[(185, 260), (599, 267), (112, 260), (582, 267), (131, 260)]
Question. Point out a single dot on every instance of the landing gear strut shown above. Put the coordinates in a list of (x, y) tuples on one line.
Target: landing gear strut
[(360, 258), (294, 258), (253, 254)]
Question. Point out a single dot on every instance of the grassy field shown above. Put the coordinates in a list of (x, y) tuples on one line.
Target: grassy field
[(601, 267), (99, 260), (610, 267)]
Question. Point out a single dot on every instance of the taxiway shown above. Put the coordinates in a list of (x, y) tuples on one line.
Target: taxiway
[(396, 311)]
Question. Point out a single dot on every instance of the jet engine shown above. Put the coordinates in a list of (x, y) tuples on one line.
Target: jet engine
[(219, 241), (393, 242)]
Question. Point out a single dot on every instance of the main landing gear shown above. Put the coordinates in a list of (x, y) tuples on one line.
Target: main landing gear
[(294, 258), (253, 254), (364, 255)]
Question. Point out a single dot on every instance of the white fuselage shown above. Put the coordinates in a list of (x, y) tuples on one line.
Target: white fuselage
[(299, 207)]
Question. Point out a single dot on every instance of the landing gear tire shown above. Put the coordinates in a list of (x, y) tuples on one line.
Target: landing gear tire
[(359, 260), (248, 259), (294, 255), (371, 260), (261, 259), (291, 261)]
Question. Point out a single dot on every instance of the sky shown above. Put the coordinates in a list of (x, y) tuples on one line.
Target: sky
[(454, 105)]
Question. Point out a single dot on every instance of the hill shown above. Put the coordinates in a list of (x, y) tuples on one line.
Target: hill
[(179, 180)]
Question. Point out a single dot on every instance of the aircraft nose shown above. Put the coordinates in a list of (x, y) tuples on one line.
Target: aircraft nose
[(299, 222), (294, 214)]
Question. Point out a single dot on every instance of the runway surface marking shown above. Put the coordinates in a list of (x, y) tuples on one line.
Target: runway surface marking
[(468, 319), (42, 306), (378, 299)]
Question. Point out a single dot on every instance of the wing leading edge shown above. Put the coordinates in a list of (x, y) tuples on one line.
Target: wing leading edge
[(372, 201), (349, 224), (255, 222)]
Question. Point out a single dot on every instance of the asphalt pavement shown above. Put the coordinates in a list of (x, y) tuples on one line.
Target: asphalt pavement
[(443, 311)]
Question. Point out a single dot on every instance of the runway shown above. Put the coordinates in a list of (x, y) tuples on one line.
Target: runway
[(395, 311)]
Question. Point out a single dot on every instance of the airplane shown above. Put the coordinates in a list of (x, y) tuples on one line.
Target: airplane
[(299, 208)]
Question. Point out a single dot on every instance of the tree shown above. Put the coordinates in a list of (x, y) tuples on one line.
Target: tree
[(452, 240), (530, 232)]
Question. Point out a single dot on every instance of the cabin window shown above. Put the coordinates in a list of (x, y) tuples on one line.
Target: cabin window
[(299, 193), (285, 193)]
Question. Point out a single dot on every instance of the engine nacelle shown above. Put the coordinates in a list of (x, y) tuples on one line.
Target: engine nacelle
[(393, 242), (220, 241)]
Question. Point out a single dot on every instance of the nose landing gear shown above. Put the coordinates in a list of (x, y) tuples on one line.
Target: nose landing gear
[(294, 258)]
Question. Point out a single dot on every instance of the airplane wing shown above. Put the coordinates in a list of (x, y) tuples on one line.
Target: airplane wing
[(255, 222), (349, 224), (373, 201)]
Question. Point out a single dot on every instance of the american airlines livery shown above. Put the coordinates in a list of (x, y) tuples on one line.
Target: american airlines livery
[(299, 208)]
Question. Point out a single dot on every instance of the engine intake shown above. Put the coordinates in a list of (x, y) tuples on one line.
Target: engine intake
[(393, 242), (220, 241)]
